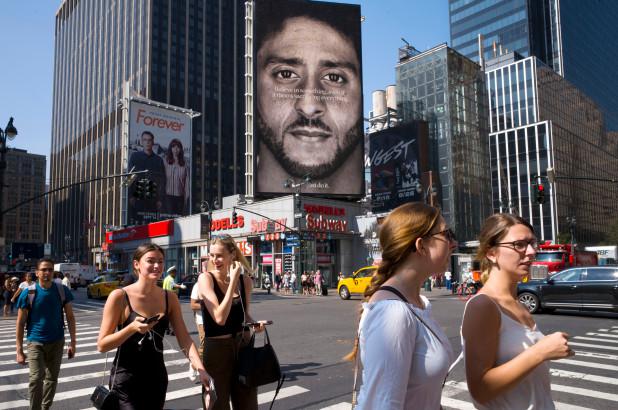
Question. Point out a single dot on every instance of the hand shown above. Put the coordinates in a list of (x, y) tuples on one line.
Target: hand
[(71, 351), (554, 346), (140, 327), (210, 395), (183, 286), (21, 357), (235, 270)]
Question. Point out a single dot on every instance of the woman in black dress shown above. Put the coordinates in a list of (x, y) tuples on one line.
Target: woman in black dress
[(138, 375)]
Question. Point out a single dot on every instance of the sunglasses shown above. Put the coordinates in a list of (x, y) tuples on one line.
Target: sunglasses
[(448, 233)]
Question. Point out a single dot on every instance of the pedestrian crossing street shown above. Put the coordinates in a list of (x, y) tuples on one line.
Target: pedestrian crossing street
[(590, 374)]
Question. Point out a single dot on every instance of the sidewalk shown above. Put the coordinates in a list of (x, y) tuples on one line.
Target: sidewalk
[(437, 292)]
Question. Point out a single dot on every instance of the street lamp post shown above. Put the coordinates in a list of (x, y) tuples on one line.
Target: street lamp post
[(296, 186), (9, 132), (67, 244)]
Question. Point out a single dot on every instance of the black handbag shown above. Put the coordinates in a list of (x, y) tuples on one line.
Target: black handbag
[(103, 398), (257, 366)]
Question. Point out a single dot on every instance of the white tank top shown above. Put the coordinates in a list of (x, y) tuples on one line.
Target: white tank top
[(533, 391)]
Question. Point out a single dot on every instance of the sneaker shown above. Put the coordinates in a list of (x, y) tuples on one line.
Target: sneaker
[(193, 373)]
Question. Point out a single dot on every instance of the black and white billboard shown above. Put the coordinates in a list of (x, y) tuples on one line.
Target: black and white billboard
[(308, 97)]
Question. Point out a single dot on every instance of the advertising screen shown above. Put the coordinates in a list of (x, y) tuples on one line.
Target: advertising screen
[(397, 162), (160, 142), (308, 98)]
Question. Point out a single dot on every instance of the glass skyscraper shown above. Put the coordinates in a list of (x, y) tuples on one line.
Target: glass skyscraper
[(447, 90), (539, 120), (183, 53), (570, 36)]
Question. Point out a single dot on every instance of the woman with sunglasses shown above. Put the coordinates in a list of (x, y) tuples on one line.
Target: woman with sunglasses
[(405, 354), (505, 353), (134, 322)]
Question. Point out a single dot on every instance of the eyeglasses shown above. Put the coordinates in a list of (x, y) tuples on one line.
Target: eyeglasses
[(448, 233), (521, 245), (46, 270)]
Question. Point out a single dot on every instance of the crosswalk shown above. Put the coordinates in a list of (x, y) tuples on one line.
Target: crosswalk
[(588, 377)]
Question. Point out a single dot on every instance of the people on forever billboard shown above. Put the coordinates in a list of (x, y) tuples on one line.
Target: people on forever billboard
[(177, 177), (147, 159), (309, 98)]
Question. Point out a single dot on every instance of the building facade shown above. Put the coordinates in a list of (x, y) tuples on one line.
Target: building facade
[(540, 120), (447, 90), (569, 36), (187, 54), (24, 178), (270, 233)]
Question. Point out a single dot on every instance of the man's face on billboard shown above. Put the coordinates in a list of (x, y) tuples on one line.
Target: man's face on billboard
[(309, 97), (147, 142)]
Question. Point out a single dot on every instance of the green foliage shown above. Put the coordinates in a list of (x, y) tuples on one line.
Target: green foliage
[(564, 237)]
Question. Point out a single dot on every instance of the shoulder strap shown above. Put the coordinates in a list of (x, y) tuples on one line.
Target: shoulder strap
[(398, 293), (166, 304), (60, 288), (126, 296)]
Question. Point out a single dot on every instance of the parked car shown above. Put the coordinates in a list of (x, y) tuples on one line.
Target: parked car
[(356, 283), (581, 288), (102, 286)]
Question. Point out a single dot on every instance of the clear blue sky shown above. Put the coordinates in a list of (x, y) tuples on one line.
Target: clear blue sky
[(27, 50)]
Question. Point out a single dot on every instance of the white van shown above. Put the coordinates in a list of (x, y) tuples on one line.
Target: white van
[(74, 270)]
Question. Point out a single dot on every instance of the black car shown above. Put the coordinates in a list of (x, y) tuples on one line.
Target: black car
[(581, 288)]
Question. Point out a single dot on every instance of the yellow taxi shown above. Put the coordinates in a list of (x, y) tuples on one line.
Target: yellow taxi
[(357, 283), (102, 286)]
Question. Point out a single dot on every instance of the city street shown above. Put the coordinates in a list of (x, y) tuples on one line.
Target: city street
[(310, 335)]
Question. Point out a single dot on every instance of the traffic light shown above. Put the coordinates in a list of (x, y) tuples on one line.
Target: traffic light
[(150, 189), (539, 193), (140, 188), (234, 218)]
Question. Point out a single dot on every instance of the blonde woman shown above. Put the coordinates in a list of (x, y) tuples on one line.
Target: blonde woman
[(405, 354), (225, 290), (505, 353)]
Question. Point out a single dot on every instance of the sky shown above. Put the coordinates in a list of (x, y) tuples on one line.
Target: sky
[(27, 50)]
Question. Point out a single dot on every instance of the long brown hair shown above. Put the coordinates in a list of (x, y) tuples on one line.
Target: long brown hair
[(494, 229), (142, 250), (230, 245), (398, 235)]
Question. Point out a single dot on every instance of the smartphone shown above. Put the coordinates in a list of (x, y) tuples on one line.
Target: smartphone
[(260, 322), (150, 320)]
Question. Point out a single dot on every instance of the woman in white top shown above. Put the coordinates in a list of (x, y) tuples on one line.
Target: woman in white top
[(505, 353), (405, 355), (176, 177)]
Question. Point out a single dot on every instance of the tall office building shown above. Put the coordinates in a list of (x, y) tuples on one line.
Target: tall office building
[(183, 53), (539, 120), (24, 179), (570, 36), (447, 90)]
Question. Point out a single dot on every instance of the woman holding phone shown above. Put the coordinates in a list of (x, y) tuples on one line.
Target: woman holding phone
[(134, 322), (225, 290)]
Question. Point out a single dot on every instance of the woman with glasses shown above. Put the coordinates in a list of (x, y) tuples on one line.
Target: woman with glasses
[(505, 353), (134, 323), (405, 354), (225, 290)]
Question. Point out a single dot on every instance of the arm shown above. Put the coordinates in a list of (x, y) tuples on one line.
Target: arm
[(480, 329), (218, 311), (388, 351), (195, 305), (248, 282), (22, 316), (184, 339), (68, 311), (112, 314), (16, 295)]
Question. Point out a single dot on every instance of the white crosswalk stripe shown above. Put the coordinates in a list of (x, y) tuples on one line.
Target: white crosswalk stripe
[(601, 334)]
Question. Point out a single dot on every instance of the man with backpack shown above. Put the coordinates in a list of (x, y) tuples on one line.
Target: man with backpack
[(42, 308)]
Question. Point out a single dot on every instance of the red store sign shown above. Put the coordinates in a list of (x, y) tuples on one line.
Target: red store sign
[(226, 223), (153, 230)]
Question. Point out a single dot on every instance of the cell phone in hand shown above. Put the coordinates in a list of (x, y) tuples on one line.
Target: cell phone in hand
[(260, 322), (150, 320)]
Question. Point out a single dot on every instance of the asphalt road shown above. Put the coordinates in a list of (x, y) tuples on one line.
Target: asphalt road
[(311, 335)]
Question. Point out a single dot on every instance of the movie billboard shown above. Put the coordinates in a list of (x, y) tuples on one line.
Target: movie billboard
[(397, 161), (160, 142), (308, 104)]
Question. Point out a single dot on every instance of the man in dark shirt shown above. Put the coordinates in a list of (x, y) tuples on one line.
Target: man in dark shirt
[(146, 160)]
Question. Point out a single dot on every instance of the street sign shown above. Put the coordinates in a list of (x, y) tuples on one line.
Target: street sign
[(298, 215)]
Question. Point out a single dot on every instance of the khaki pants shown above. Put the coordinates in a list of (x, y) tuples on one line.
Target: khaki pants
[(44, 362), (220, 362)]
